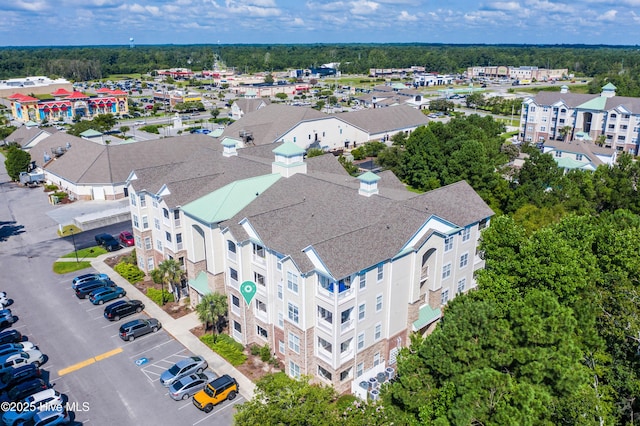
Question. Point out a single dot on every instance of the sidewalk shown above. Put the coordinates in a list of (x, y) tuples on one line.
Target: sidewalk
[(178, 328)]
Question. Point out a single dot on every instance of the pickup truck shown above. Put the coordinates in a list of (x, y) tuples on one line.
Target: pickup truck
[(108, 242)]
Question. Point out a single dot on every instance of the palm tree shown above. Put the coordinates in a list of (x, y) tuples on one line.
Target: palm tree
[(171, 273), (564, 132), (212, 309)]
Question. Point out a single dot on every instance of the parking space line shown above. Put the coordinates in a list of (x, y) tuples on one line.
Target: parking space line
[(89, 361), (150, 349), (212, 413)]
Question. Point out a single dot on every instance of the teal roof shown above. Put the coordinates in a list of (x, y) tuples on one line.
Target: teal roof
[(583, 136), (288, 149), (368, 177), (90, 133), (571, 163), (30, 123), (229, 142), (609, 86), (226, 202), (597, 103), (217, 132), (426, 316), (398, 86), (200, 284)]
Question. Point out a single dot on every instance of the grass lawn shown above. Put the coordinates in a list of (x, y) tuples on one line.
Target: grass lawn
[(66, 267), (88, 252)]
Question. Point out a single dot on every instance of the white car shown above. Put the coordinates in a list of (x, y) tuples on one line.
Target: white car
[(32, 356), (48, 399)]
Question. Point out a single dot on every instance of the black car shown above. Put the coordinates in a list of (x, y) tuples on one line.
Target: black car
[(23, 390), (122, 308), (10, 336), (108, 241), (84, 290), (139, 327), (19, 375)]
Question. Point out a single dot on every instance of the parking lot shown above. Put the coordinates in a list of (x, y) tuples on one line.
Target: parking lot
[(104, 377)]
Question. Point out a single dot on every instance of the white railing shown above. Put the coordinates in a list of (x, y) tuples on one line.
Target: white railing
[(347, 325)]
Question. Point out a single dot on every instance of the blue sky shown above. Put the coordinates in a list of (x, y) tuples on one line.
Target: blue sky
[(99, 22)]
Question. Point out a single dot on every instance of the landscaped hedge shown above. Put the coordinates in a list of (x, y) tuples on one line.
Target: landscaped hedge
[(226, 347), (129, 272), (156, 296)]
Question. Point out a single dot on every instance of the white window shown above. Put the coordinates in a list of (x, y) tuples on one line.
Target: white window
[(293, 313), (132, 197), (143, 200), (294, 343), (360, 369), (231, 250), (579, 157), (378, 332), (446, 271), (145, 222), (292, 282), (444, 298), (179, 241), (324, 373), (346, 374), (466, 234), (461, 284), (147, 243), (325, 345), (363, 280), (167, 236), (448, 244), (259, 279), (237, 327), (280, 320), (360, 341), (136, 224), (258, 252), (378, 303), (261, 306), (235, 301), (280, 296), (376, 359), (380, 273), (261, 332), (294, 370), (325, 314), (361, 311), (165, 213), (345, 346), (138, 242), (150, 263), (159, 244), (464, 260), (279, 262), (156, 223), (281, 346), (233, 275), (154, 202)]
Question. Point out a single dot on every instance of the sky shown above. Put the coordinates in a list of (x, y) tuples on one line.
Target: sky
[(115, 22)]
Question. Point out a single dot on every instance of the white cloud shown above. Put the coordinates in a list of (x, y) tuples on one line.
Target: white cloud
[(499, 5), (363, 7), (609, 15), (406, 16)]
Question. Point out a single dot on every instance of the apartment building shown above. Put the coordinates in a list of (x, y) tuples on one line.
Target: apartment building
[(517, 73), (345, 268), (611, 121)]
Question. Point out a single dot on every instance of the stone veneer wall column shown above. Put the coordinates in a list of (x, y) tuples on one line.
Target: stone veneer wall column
[(413, 311), (194, 268), (435, 298)]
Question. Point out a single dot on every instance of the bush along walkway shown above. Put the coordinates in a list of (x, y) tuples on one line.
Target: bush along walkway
[(179, 328)]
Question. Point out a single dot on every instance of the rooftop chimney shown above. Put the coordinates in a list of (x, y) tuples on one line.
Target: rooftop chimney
[(368, 184)]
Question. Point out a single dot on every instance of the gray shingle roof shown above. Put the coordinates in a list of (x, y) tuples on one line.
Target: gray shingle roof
[(379, 120), (573, 100), (24, 134)]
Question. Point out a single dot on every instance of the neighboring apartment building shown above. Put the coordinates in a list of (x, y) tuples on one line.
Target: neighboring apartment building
[(345, 268), (517, 73), (611, 121)]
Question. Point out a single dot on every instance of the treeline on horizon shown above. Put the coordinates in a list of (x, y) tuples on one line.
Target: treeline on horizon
[(79, 63)]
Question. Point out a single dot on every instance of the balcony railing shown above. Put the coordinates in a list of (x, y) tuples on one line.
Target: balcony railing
[(323, 323), (347, 325)]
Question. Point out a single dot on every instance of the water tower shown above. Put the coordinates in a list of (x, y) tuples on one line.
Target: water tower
[(131, 42)]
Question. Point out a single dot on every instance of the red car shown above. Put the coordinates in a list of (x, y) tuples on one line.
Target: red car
[(126, 239)]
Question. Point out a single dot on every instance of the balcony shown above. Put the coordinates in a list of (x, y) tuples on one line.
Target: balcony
[(347, 325), (345, 291), (324, 324), (325, 354), (424, 274)]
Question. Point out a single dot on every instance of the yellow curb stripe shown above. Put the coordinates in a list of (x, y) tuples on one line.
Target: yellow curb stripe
[(89, 361)]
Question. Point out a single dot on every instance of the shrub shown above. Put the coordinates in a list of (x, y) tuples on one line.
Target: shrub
[(265, 353), (226, 347), (254, 350), (50, 187), (129, 272), (60, 194), (131, 258), (156, 295)]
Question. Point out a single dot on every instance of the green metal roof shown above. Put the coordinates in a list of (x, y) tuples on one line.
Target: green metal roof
[(227, 201), (90, 133), (571, 163), (583, 136), (200, 284), (426, 316), (288, 149), (229, 142), (597, 103), (217, 132), (609, 86), (368, 177)]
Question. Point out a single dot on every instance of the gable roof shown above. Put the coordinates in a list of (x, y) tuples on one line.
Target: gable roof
[(380, 120), (23, 135), (247, 105)]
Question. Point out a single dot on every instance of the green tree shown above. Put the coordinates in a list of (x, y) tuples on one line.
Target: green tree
[(17, 161), (212, 309), (215, 112), (282, 96), (269, 78), (104, 122), (124, 130), (314, 152), (172, 274), (565, 131)]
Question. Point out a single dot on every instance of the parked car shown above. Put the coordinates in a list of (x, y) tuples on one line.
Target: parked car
[(184, 367), (10, 336), (18, 375), (189, 385), (105, 294), (19, 359), (136, 328), (81, 279), (126, 239), (48, 399), (84, 290), (11, 348), (6, 318), (24, 389), (107, 241), (4, 300), (223, 388), (51, 418), (122, 308)]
